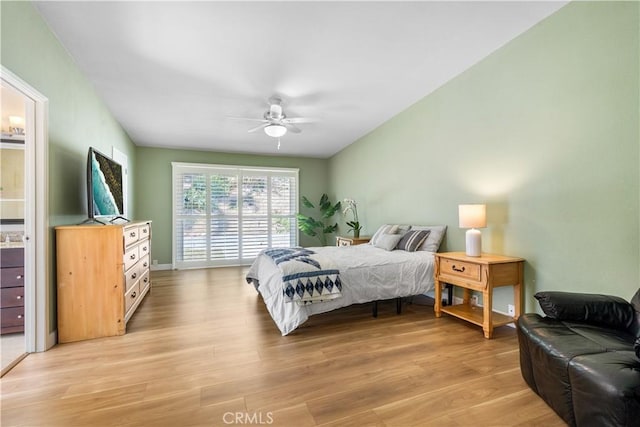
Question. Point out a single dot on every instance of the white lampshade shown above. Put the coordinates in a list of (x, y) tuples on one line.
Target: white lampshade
[(473, 216), (16, 121), (275, 131)]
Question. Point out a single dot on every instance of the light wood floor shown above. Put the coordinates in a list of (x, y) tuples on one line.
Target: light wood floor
[(202, 350)]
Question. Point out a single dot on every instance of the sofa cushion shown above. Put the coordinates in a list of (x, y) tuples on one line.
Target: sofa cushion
[(610, 339), (550, 345), (604, 310), (635, 303), (606, 389)]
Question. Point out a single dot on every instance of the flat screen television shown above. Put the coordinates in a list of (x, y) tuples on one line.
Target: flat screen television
[(105, 197)]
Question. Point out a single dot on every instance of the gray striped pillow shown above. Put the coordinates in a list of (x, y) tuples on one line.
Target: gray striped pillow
[(411, 241)]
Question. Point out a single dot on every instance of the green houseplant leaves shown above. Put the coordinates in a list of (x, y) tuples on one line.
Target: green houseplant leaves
[(319, 228)]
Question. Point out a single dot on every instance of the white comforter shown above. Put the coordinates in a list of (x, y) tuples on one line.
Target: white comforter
[(367, 274)]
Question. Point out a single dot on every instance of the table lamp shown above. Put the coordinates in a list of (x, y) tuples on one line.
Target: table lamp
[(472, 217)]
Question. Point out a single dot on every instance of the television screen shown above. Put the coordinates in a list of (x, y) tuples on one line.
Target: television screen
[(104, 185)]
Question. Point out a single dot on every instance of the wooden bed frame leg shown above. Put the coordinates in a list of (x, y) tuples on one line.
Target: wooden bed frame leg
[(375, 309), (398, 305)]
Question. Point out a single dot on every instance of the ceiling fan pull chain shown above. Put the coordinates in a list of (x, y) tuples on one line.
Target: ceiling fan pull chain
[(278, 143)]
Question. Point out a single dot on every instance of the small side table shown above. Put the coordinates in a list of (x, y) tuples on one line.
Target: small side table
[(351, 241), (480, 274)]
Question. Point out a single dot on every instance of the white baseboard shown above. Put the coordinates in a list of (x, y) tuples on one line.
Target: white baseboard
[(52, 339), (155, 267)]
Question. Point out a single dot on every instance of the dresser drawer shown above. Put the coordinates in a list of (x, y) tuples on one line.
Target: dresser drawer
[(462, 269), (12, 297), (13, 316), (144, 263), (131, 296), (131, 236), (132, 275), (131, 257), (145, 281), (144, 231), (10, 277), (12, 257), (144, 247)]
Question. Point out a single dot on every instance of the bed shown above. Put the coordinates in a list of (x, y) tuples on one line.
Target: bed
[(376, 271)]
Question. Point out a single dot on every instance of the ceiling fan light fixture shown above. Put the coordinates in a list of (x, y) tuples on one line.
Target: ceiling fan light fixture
[(275, 131)]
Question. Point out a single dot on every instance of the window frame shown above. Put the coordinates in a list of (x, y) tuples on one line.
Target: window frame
[(180, 168)]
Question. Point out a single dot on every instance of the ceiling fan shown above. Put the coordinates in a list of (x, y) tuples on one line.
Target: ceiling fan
[(275, 122)]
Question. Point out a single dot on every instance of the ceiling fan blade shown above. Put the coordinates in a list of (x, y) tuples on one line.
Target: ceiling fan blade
[(298, 120), (247, 118), (262, 126), (292, 128)]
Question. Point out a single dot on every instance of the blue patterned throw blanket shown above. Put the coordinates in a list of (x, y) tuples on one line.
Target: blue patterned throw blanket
[(307, 277)]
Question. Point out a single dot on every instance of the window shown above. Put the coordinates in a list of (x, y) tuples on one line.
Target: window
[(225, 215)]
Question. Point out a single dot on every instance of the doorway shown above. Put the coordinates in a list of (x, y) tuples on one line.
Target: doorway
[(12, 231), (24, 292)]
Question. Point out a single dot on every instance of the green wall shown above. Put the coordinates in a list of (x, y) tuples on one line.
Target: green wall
[(153, 180), (77, 116), (545, 132)]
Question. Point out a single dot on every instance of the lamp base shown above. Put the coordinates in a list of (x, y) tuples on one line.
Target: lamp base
[(474, 242)]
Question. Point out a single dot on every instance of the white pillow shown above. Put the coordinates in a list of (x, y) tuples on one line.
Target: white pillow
[(389, 229), (388, 242), (432, 244)]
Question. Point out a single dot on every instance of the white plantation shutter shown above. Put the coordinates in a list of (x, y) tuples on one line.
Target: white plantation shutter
[(225, 215)]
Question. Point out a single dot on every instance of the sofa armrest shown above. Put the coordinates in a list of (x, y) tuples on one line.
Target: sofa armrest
[(602, 310)]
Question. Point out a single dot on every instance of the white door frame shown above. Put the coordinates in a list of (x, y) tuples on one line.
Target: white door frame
[(39, 335)]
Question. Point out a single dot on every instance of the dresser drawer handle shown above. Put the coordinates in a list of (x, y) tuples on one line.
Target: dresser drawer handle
[(132, 234), (19, 276), (459, 270), (145, 264), (133, 256), (19, 297), (146, 280), (134, 275), (144, 249), (19, 316), (133, 295)]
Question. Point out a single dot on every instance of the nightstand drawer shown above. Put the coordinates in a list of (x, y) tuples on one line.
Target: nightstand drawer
[(464, 269), (351, 241)]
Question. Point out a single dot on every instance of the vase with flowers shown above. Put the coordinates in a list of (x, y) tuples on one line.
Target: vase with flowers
[(351, 205)]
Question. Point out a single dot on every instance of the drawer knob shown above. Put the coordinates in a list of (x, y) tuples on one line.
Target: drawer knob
[(145, 264), (144, 248), (133, 256), (146, 280), (132, 234), (19, 316), (459, 270), (19, 297), (19, 276), (134, 275), (133, 295)]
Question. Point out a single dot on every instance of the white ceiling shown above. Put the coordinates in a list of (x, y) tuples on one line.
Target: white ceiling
[(173, 72)]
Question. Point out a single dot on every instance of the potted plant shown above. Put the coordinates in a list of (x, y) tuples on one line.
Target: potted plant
[(354, 226), (319, 227)]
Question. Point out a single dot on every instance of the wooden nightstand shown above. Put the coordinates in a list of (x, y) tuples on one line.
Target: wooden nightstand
[(351, 241), (481, 274)]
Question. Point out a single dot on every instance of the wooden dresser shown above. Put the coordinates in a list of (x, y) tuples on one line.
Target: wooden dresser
[(12, 290), (103, 275)]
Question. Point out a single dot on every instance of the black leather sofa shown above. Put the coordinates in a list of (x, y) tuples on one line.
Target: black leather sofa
[(583, 357)]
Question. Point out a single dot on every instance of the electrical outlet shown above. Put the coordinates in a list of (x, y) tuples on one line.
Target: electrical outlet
[(511, 309), (474, 300)]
